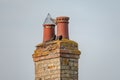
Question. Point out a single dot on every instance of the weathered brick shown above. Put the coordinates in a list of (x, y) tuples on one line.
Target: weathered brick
[(65, 75), (71, 63), (65, 67), (57, 65)]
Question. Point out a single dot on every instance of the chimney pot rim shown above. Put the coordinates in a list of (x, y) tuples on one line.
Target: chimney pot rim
[(62, 17), (48, 24)]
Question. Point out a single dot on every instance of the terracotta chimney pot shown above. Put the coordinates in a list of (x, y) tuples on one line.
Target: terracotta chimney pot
[(49, 29), (62, 26)]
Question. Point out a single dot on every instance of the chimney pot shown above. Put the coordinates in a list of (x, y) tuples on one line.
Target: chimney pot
[(49, 28), (62, 26)]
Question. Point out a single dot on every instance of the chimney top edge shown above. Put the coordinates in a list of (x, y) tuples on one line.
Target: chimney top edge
[(62, 17)]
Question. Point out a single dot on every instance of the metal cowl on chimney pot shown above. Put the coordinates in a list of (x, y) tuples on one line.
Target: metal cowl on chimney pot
[(49, 28)]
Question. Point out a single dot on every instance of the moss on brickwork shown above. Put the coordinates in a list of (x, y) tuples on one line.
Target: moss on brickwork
[(52, 47), (56, 60)]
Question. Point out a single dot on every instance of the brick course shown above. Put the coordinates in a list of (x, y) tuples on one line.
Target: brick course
[(56, 60)]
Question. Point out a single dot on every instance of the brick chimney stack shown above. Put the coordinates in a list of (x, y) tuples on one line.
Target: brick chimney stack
[(49, 29), (62, 26), (56, 59)]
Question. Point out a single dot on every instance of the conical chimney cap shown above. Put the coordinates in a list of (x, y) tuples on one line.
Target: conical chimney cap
[(49, 20)]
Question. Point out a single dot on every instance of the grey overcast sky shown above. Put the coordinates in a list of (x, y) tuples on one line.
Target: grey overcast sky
[(94, 24)]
